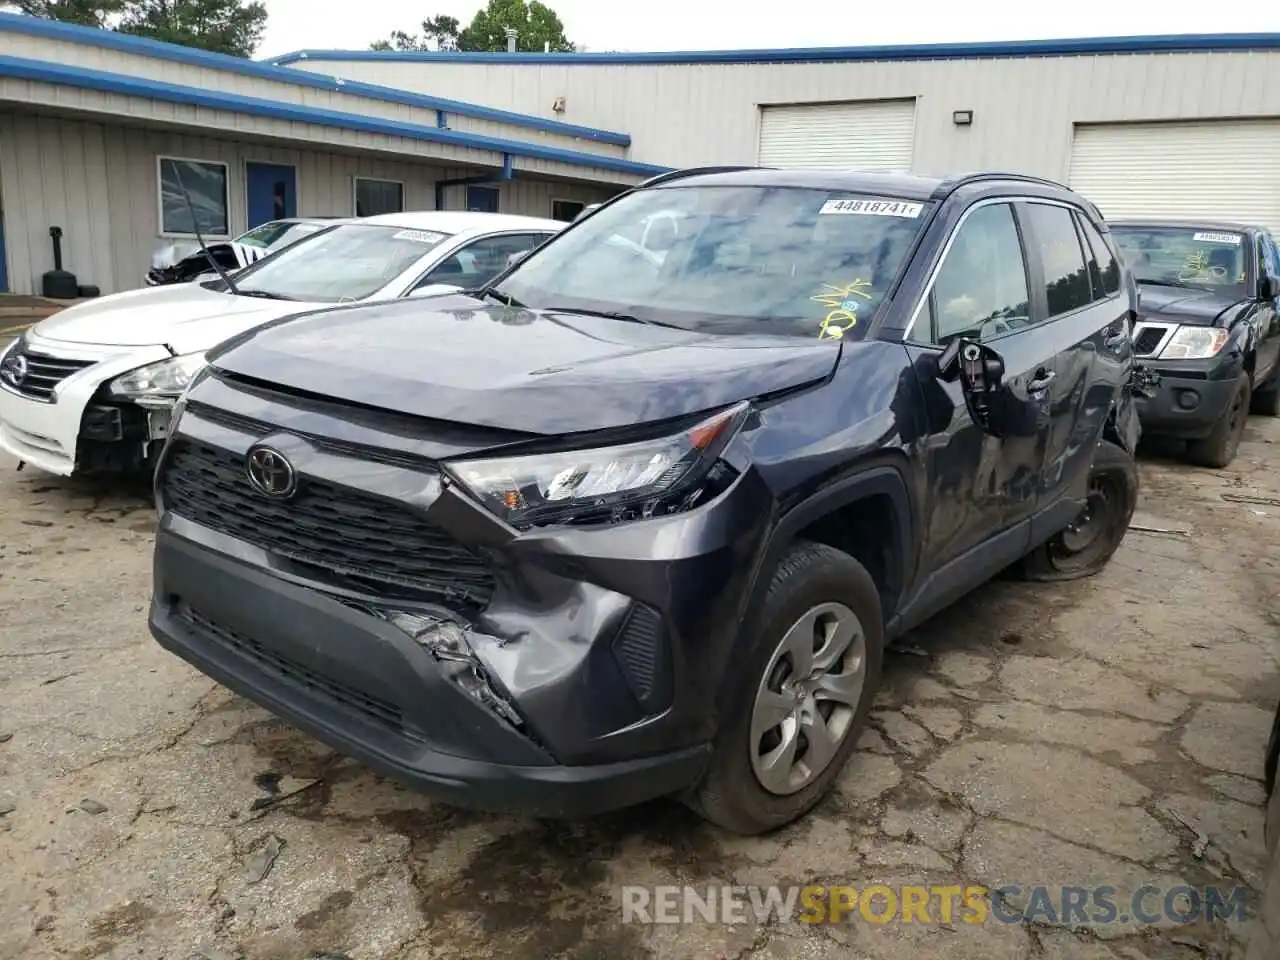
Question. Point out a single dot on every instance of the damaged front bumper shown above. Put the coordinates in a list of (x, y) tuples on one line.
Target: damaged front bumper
[(367, 688), (583, 678)]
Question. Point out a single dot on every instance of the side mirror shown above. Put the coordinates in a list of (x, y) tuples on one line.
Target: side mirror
[(1268, 287), (992, 405), (515, 258)]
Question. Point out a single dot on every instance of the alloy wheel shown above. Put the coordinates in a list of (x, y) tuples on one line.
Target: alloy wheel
[(808, 698)]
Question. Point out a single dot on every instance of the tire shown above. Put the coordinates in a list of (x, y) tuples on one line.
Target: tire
[(1219, 448), (811, 581), (1080, 551), (1266, 402)]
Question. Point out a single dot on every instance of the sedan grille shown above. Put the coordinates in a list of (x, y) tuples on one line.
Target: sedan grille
[(34, 374), (355, 538)]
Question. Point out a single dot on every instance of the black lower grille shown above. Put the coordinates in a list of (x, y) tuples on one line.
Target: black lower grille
[(34, 374), (355, 538), (1148, 339), (379, 711)]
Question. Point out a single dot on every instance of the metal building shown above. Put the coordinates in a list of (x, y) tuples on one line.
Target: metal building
[(95, 127), (1182, 125), (99, 132)]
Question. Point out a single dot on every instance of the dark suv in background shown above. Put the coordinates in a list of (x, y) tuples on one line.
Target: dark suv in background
[(1209, 328), (639, 520)]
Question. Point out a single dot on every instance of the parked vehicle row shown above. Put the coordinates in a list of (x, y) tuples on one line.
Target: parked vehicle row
[(631, 507), (92, 388)]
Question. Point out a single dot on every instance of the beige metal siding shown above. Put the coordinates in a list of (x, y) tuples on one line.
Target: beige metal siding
[(1223, 170), (222, 81), (838, 136), (1024, 109), (98, 182)]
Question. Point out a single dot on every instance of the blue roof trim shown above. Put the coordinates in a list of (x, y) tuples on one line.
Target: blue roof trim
[(63, 75), (265, 70), (1187, 43)]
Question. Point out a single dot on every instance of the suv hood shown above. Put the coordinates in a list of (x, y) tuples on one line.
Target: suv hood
[(1199, 307), (185, 316), (458, 359)]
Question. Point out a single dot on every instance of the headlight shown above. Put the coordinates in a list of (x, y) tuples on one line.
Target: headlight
[(164, 380), (1194, 343), (607, 484)]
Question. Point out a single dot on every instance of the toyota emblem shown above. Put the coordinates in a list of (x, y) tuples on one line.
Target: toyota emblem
[(271, 473), (15, 369)]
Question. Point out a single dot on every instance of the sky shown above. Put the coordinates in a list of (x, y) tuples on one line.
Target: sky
[(737, 24)]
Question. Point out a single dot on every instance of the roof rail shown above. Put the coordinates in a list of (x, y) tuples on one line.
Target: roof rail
[(694, 172), (955, 183)]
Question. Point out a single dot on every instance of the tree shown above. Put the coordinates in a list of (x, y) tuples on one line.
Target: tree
[(223, 26), (537, 28), (87, 13)]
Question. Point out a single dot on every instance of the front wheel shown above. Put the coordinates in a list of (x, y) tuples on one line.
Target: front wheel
[(1219, 448), (801, 694), (1088, 542)]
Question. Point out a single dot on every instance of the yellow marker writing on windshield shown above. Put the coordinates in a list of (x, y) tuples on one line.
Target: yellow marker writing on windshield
[(842, 307)]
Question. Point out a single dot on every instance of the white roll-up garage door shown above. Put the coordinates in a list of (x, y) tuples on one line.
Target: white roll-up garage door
[(1221, 169), (866, 135)]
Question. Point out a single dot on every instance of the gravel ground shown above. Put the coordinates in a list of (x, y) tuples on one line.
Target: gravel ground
[(1090, 733)]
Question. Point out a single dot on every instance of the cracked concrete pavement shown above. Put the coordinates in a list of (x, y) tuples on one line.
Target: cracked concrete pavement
[(1067, 735)]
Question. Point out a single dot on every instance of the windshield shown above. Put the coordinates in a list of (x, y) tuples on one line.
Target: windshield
[(349, 262), (763, 260), (1185, 257)]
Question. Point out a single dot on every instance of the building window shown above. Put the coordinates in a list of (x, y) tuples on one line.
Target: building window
[(205, 184), (482, 199), (566, 210), (374, 197)]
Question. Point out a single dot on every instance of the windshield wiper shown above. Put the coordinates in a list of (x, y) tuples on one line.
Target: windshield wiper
[(1183, 285), (264, 294), (492, 294), (612, 315)]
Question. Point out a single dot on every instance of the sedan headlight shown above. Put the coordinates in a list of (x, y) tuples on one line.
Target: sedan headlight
[(1194, 343), (607, 484), (164, 380)]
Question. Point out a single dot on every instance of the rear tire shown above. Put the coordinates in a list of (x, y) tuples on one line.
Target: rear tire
[(1266, 402), (782, 695), (1084, 547), (1219, 448)]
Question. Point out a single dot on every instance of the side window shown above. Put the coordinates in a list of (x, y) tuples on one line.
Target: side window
[(1066, 278), (981, 290), (480, 261), (1273, 257), (1103, 258)]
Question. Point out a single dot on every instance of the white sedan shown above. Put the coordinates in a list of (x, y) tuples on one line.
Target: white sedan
[(91, 389)]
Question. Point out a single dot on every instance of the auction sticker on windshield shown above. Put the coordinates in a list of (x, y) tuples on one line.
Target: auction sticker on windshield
[(873, 208), (419, 236), (1232, 238)]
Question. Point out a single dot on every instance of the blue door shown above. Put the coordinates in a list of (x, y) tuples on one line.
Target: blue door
[(482, 199), (272, 192)]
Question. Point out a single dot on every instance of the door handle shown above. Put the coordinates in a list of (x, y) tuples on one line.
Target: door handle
[(1041, 380)]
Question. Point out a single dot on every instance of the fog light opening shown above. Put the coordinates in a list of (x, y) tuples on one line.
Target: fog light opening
[(1188, 399)]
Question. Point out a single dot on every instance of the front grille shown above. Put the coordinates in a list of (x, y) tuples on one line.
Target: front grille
[(379, 711), (357, 539), (43, 372), (1147, 338)]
